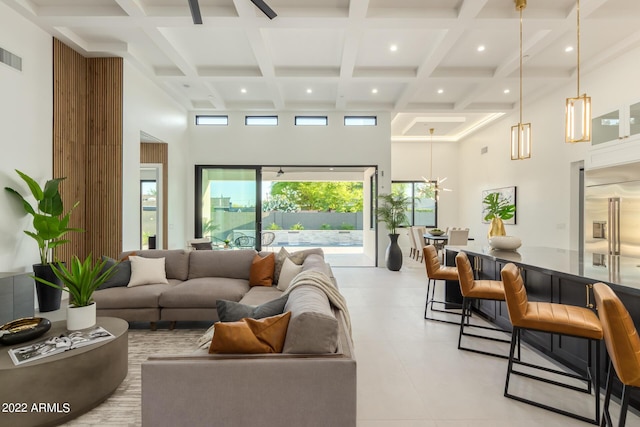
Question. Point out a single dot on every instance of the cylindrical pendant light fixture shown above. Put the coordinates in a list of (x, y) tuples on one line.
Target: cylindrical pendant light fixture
[(521, 133), (578, 109)]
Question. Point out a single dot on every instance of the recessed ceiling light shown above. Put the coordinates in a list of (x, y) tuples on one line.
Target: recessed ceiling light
[(393, 47), (568, 49), (309, 90), (374, 90), (440, 90), (243, 90), (507, 91), (481, 48)]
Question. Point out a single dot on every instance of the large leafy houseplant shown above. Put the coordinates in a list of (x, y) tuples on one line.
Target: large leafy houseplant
[(497, 209), (392, 210), (50, 223)]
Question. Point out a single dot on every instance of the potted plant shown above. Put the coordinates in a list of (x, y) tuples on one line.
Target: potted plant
[(80, 280), (497, 209), (392, 210), (50, 224)]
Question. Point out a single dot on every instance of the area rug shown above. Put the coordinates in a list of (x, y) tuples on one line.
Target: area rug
[(122, 408)]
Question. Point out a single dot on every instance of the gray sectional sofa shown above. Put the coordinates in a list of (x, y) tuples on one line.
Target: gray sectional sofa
[(312, 383)]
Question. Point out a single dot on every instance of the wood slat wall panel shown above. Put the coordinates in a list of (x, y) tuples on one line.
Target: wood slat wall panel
[(87, 149), (158, 152), (104, 175), (70, 139)]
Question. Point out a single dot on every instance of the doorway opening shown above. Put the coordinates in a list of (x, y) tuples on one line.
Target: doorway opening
[(150, 207)]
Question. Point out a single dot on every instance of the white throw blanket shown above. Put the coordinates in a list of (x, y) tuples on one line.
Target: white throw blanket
[(324, 283)]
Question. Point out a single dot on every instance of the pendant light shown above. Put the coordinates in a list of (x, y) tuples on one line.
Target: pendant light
[(521, 133), (578, 110), (434, 183)]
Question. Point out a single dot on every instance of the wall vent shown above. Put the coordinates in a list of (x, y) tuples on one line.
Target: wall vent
[(484, 150), (10, 59)]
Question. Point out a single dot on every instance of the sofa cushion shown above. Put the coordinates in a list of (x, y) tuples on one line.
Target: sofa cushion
[(176, 260), (261, 272), (260, 294), (288, 272), (316, 262), (298, 257), (251, 335), (235, 264), (204, 292), (146, 271), (313, 328), (136, 297), (121, 275), (231, 311)]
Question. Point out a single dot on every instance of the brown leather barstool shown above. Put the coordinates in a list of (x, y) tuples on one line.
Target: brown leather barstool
[(623, 346), (559, 319), (435, 271), (471, 290)]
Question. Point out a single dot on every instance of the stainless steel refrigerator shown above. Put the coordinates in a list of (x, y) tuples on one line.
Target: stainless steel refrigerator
[(612, 211)]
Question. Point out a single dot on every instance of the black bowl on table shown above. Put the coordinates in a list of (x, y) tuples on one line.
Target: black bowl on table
[(22, 330)]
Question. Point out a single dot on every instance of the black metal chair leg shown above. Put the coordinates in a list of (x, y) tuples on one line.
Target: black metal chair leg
[(606, 415), (624, 405)]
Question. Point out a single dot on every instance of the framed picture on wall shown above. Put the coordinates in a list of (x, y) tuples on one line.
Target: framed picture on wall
[(506, 194)]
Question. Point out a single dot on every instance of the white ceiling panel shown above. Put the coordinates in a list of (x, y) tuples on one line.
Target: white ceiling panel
[(204, 46), (412, 47), (305, 47)]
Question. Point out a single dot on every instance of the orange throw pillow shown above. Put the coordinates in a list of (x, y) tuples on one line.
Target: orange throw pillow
[(261, 273), (248, 335)]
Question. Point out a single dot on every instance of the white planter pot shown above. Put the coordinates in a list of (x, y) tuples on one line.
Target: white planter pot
[(81, 317)]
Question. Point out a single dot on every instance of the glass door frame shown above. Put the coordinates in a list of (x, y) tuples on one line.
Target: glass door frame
[(198, 198)]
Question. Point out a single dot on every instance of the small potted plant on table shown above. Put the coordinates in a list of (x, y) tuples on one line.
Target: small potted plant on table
[(81, 279)]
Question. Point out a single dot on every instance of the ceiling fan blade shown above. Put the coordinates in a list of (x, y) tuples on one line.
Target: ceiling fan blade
[(264, 8), (195, 11)]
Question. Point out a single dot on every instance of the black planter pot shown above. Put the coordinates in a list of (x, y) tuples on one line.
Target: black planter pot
[(393, 255), (48, 296)]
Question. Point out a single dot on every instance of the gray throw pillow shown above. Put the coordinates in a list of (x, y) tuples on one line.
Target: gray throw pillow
[(231, 311), (120, 277)]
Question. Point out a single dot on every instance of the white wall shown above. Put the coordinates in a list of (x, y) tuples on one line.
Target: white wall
[(147, 108), (26, 109), (286, 144), (546, 199)]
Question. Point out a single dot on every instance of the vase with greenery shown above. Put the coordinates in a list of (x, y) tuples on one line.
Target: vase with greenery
[(50, 225), (392, 211), (80, 280), (497, 209)]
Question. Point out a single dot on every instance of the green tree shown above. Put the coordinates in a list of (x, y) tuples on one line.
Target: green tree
[(322, 196)]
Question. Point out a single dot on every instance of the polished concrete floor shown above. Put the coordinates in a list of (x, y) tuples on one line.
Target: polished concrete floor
[(410, 372)]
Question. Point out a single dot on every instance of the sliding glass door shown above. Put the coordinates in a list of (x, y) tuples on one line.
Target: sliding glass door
[(228, 201)]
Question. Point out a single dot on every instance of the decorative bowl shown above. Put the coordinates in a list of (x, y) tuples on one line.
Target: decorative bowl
[(505, 243), (25, 329), (436, 232)]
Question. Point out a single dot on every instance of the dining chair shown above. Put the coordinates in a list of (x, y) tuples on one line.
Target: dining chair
[(623, 346), (473, 290), (552, 318), (418, 234), (412, 240), (458, 237), (435, 272)]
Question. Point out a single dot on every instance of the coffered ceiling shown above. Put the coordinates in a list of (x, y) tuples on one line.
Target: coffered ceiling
[(418, 59)]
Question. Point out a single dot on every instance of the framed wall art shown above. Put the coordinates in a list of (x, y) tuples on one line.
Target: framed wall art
[(507, 194)]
